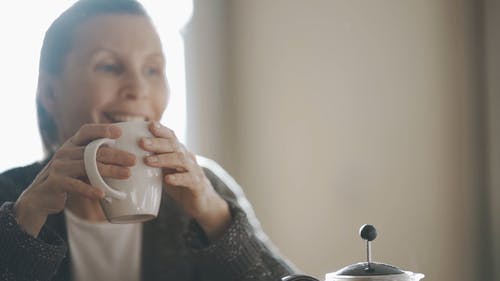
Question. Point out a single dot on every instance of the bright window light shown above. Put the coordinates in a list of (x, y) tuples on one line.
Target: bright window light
[(22, 31)]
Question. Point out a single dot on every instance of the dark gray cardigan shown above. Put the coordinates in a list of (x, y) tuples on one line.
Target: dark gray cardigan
[(173, 247)]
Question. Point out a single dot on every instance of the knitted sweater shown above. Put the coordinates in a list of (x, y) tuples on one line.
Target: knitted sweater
[(174, 246)]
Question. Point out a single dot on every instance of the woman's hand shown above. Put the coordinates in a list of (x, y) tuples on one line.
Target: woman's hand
[(185, 180), (65, 173)]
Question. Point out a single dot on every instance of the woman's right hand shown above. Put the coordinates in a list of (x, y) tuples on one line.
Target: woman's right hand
[(65, 173)]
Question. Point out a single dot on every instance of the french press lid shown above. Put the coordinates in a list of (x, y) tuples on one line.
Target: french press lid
[(362, 270), (368, 268)]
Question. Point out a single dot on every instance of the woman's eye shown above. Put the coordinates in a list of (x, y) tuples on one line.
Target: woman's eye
[(152, 71), (110, 67)]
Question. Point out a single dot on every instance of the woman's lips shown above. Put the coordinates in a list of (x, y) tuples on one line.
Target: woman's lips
[(124, 117)]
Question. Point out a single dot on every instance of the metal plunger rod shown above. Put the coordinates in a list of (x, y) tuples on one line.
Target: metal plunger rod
[(368, 253)]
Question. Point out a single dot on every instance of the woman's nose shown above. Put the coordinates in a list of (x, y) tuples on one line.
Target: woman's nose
[(135, 86)]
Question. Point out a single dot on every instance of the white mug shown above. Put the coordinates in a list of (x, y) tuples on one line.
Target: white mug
[(136, 199)]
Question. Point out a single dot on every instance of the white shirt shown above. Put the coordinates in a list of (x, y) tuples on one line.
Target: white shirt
[(103, 251)]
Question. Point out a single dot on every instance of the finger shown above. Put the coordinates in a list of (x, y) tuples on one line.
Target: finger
[(90, 132), (43, 174), (105, 154), (113, 171), (158, 130), (70, 168), (160, 145), (109, 155), (76, 169), (189, 180), (175, 160), (74, 186), (67, 152)]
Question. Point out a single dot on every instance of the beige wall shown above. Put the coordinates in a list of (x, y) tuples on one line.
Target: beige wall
[(492, 58), (333, 114)]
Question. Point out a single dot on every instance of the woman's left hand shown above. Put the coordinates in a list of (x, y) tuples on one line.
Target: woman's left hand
[(185, 180)]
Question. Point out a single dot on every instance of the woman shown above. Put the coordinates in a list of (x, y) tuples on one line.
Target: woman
[(101, 63)]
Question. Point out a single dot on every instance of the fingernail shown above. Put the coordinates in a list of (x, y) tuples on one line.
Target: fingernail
[(157, 125), (131, 159), (171, 177), (147, 142), (152, 159)]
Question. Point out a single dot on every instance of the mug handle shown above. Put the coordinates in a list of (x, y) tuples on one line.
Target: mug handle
[(90, 162)]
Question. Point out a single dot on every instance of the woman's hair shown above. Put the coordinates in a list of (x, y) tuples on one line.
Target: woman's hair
[(58, 42)]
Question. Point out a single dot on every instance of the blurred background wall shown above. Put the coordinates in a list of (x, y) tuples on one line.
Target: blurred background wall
[(492, 89), (336, 113)]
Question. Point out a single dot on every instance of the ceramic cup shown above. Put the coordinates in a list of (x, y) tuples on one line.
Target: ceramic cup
[(137, 198)]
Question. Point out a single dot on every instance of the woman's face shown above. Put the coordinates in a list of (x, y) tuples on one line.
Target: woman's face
[(115, 72)]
